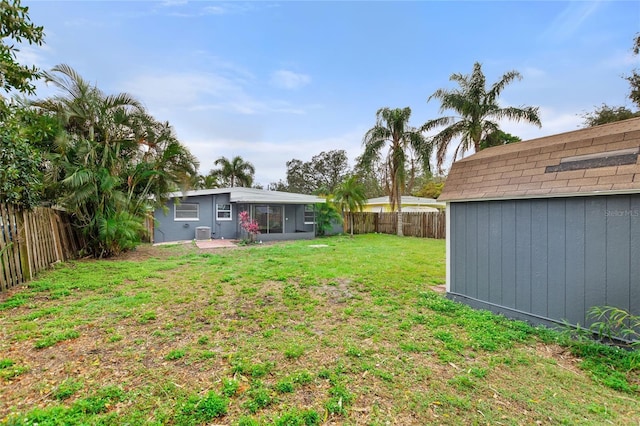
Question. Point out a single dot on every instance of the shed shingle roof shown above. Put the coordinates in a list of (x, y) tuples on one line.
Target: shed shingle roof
[(597, 160)]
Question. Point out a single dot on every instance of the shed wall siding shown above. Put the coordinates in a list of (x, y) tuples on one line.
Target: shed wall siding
[(549, 258)]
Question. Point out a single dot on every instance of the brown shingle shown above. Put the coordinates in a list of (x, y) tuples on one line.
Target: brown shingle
[(518, 169)]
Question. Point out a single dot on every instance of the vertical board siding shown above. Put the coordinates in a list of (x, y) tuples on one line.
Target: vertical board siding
[(509, 225), (556, 261), (595, 252), (618, 244), (495, 253), (471, 248), (523, 257), (539, 284), (634, 256), (31, 241), (550, 258), (483, 251), (575, 267)]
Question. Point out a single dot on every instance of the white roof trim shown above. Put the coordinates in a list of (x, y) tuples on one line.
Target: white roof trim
[(252, 195)]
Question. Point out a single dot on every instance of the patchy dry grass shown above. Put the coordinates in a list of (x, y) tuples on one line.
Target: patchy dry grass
[(286, 334)]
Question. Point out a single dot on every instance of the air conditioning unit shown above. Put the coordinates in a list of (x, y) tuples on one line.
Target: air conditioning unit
[(203, 233)]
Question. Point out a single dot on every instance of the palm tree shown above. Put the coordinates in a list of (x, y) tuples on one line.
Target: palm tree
[(478, 112), (235, 171), (350, 198), (113, 162), (392, 128)]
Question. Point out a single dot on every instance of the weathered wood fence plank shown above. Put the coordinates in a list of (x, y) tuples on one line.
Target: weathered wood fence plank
[(421, 224), (31, 241)]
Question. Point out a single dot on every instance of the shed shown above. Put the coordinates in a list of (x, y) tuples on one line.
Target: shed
[(545, 229)]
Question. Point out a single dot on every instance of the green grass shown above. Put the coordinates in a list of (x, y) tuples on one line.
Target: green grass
[(288, 334)]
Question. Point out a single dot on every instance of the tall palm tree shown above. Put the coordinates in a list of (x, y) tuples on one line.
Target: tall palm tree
[(235, 171), (477, 112), (350, 197), (392, 128)]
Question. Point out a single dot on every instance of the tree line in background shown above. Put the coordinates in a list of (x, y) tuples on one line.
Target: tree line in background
[(109, 163)]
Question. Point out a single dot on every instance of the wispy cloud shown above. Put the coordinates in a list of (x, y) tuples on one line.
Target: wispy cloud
[(200, 91), (569, 21), (285, 79)]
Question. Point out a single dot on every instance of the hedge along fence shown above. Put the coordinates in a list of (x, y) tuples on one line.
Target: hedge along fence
[(32, 241), (420, 224)]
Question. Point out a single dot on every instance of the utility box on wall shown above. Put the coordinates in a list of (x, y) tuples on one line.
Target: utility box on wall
[(203, 233)]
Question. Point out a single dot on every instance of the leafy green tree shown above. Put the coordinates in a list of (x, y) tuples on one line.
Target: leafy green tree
[(634, 78), (234, 172), (477, 112), (16, 27), (608, 114), (322, 174), (431, 189), (498, 138), (25, 136), (20, 175), (392, 128), (349, 197)]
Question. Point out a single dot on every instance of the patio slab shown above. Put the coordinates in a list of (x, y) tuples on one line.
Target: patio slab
[(208, 244)]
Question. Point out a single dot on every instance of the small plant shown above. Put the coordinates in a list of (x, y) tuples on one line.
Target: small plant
[(230, 387), (147, 317), (199, 410), (615, 323), (251, 227), (260, 397), (66, 389), (175, 354), (8, 369), (297, 417), (54, 338), (340, 399), (294, 351), (284, 386)]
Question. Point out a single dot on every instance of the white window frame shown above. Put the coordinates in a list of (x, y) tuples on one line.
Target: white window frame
[(313, 210), (179, 219), (218, 211)]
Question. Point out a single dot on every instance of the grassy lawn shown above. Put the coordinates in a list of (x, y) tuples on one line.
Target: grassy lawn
[(288, 334)]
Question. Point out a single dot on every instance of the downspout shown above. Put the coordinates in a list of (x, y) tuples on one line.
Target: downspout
[(213, 215)]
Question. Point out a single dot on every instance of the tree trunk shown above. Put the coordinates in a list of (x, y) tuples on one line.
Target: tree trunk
[(400, 231), (351, 225)]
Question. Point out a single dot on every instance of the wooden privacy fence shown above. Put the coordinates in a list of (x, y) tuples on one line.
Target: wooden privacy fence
[(421, 224), (31, 241)]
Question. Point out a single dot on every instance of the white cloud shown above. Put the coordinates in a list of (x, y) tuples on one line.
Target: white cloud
[(569, 21), (290, 80), (269, 158)]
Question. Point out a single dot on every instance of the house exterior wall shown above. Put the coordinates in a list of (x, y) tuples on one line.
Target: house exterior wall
[(169, 229), (546, 260)]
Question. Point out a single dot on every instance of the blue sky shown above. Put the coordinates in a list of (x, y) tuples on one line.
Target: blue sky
[(272, 81)]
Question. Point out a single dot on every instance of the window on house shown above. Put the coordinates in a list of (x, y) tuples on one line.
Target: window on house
[(223, 212), (309, 214), (186, 212)]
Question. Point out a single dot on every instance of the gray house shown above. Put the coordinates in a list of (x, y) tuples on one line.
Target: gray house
[(545, 229), (213, 213)]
